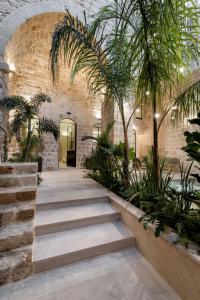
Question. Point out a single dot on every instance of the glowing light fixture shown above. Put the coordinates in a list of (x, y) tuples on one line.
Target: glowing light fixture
[(147, 93), (181, 70), (137, 110), (12, 68), (157, 115)]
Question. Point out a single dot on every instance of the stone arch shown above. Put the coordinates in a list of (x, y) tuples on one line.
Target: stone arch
[(28, 49), (20, 15)]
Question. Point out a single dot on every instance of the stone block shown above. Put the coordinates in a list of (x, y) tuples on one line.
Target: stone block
[(7, 214), (15, 265), (26, 211), (16, 235), (18, 194)]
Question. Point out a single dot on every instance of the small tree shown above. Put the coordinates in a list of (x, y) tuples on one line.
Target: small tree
[(105, 59), (24, 113), (163, 39)]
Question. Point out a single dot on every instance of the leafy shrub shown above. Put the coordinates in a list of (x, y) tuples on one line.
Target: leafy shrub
[(193, 144), (167, 207)]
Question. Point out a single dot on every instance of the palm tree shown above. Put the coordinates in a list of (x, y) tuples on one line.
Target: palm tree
[(163, 40), (139, 44), (25, 112), (106, 61)]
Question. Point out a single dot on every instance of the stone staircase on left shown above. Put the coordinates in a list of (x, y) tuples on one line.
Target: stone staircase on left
[(18, 186)]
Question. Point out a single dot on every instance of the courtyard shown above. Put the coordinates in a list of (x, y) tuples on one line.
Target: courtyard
[(100, 149), (123, 274)]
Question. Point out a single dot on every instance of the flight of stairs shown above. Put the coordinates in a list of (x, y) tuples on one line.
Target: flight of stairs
[(18, 184), (70, 231)]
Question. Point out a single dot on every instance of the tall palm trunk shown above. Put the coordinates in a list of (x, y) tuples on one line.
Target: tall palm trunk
[(28, 141), (155, 142), (126, 150)]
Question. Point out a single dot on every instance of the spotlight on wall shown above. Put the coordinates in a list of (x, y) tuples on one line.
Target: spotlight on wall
[(181, 70), (98, 114), (157, 115), (12, 68)]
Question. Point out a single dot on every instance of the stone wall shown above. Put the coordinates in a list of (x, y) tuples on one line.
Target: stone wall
[(25, 33), (172, 136), (18, 184), (28, 50)]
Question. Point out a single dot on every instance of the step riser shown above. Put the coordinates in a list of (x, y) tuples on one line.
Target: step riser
[(68, 225), (71, 203), (14, 182), (7, 198), (58, 261), (20, 168)]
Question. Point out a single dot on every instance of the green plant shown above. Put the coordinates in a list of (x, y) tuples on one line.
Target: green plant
[(105, 59), (162, 40), (193, 144), (105, 162), (25, 112), (166, 207)]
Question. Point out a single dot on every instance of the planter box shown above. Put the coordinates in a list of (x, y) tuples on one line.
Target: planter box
[(179, 266)]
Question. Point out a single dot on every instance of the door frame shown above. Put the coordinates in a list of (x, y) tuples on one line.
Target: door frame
[(75, 124)]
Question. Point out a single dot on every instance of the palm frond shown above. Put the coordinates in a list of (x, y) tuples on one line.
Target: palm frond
[(187, 104), (12, 102), (48, 126), (37, 100)]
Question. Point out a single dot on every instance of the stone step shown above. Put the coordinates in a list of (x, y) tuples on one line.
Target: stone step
[(13, 180), (15, 194), (16, 235), (20, 211), (18, 168), (55, 220), (16, 264), (65, 202), (57, 249)]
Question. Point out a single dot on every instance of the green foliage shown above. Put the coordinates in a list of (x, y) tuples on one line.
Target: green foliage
[(104, 163), (168, 207), (24, 112), (193, 144)]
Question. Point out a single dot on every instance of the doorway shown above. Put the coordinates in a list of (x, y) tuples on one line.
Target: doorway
[(67, 144)]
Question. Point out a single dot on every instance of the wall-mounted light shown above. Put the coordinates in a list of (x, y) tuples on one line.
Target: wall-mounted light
[(98, 114), (157, 115), (147, 93)]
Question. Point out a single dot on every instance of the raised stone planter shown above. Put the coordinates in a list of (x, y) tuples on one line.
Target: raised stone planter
[(18, 184), (179, 266)]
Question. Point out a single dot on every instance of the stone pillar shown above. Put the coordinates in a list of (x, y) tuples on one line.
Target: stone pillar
[(18, 184)]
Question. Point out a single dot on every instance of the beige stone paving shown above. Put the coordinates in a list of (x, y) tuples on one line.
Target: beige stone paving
[(123, 275)]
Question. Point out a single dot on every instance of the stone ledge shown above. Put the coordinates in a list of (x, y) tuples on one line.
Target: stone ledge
[(14, 180), (13, 195), (18, 168), (180, 267), (16, 235), (16, 212), (15, 265)]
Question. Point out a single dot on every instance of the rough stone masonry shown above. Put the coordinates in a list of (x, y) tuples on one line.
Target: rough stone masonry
[(18, 184)]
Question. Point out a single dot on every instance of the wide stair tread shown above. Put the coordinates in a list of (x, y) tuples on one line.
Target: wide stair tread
[(57, 249), (54, 220), (56, 203)]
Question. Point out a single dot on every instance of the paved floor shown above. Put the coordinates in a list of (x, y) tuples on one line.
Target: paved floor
[(124, 275)]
